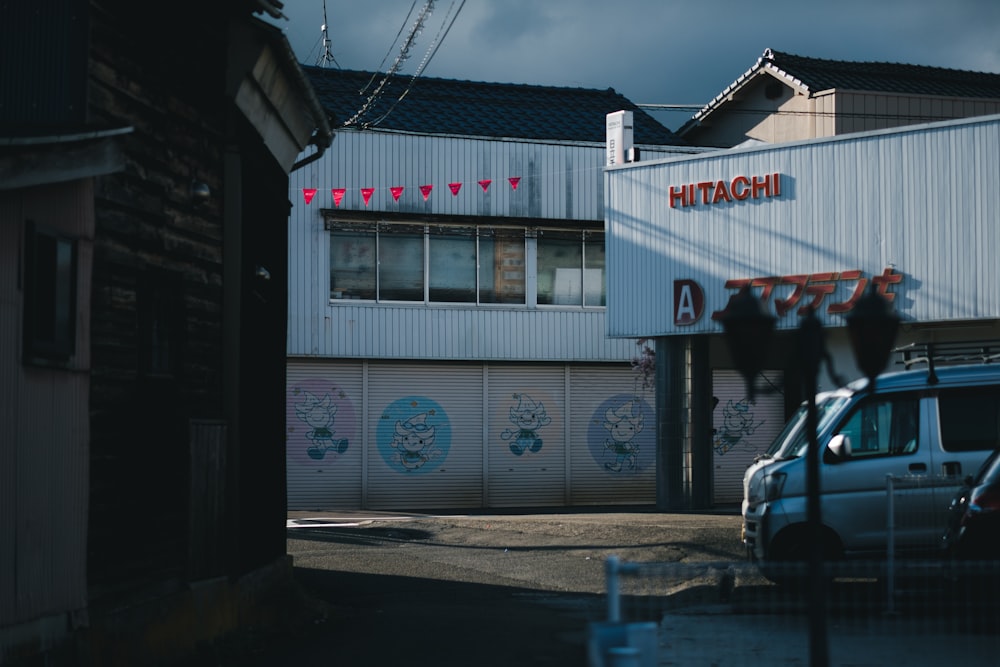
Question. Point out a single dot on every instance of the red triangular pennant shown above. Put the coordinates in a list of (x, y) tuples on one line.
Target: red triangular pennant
[(485, 184), (366, 194), (396, 191), (514, 180), (308, 194), (338, 195), (425, 190), (455, 187)]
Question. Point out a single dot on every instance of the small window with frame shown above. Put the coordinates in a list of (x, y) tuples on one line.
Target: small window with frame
[(50, 295)]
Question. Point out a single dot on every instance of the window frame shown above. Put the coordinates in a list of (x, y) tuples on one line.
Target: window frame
[(876, 401), (526, 234), (49, 319)]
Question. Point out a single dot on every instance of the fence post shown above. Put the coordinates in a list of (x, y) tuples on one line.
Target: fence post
[(614, 601), (890, 555)]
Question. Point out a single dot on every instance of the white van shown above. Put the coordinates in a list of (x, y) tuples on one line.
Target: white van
[(933, 424)]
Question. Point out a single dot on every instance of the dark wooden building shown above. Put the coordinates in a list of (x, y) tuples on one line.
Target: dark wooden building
[(144, 158)]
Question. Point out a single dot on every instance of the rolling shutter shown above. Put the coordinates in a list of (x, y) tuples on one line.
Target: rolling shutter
[(425, 436), (741, 429), (613, 431), (527, 436), (323, 437)]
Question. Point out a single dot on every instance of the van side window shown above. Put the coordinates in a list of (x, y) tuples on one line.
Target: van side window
[(884, 427), (970, 418)]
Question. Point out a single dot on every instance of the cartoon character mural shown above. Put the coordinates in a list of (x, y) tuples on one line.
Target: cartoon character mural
[(320, 414), (414, 435), (414, 440), (623, 425), (738, 423), (618, 439), (320, 421), (528, 417)]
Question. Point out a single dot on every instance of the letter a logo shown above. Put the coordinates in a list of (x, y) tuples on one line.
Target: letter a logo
[(689, 302)]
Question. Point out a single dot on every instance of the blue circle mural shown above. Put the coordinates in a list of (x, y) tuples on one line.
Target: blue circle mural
[(414, 435), (622, 435)]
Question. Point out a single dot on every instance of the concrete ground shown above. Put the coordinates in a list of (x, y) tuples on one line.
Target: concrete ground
[(529, 588)]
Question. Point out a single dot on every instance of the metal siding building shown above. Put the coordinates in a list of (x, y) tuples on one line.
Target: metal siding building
[(457, 372), (921, 202), (910, 210)]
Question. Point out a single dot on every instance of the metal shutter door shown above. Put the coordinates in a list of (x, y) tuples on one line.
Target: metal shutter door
[(425, 442), (323, 437), (613, 431), (741, 429), (527, 438)]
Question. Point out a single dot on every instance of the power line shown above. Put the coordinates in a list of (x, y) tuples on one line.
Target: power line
[(789, 112), (431, 50)]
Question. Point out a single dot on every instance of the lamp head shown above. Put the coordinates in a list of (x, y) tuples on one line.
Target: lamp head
[(872, 326), (748, 329)]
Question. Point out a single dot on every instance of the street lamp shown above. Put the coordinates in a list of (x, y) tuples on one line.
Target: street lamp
[(872, 327), (748, 328)]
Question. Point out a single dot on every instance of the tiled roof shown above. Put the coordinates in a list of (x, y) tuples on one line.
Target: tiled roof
[(467, 108), (818, 74)]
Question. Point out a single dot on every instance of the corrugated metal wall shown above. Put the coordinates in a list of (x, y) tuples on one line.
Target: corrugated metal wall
[(741, 428), (438, 435), (44, 424), (527, 440), (419, 332), (558, 181), (859, 112), (561, 182), (613, 431), (324, 443), (923, 201), (427, 423)]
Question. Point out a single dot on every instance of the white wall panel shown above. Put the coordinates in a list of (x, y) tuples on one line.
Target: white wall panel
[(417, 332), (922, 201), (557, 181)]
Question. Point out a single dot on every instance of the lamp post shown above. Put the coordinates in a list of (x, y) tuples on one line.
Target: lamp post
[(872, 327)]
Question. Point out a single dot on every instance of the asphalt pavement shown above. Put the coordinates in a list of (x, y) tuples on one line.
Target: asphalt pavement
[(530, 588)]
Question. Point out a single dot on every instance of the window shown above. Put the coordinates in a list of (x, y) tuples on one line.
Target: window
[(49, 295), (571, 268), (452, 265), (353, 260), (433, 263), (883, 428), (970, 419), (401, 265), (501, 266)]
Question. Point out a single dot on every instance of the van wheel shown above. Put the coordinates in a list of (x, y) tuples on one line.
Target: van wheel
[(788, 559)]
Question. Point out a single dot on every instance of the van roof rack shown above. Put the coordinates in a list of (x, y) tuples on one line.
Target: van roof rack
[(944, 353)]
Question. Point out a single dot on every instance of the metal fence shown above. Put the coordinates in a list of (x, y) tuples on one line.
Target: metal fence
[(918, 609)]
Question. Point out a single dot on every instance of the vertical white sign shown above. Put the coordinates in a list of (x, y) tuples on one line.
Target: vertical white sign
[(618, 126)]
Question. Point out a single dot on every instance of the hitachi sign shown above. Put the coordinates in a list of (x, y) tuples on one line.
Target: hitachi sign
[(716, 192)]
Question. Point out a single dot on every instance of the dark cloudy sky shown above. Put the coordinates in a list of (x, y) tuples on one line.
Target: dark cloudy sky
[(651, 51)]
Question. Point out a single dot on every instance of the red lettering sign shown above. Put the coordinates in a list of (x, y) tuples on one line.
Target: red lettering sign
[(803, 292), (740, 188)]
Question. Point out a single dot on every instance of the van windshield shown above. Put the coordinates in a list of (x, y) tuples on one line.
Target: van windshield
[(793, 439)]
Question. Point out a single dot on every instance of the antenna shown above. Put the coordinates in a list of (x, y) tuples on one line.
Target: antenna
[(326, 56)]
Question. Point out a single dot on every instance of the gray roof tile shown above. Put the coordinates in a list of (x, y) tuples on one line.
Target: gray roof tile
[(469, 108)]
